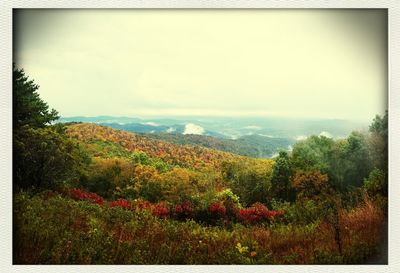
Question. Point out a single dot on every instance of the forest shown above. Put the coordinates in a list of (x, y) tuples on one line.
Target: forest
[(90, 194)]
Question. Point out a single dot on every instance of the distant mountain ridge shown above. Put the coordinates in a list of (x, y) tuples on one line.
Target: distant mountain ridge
[(248, 136), (232, 127)]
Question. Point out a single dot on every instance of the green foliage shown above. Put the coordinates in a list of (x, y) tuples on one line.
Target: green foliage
[(144, 159), (312, 153), (378, 142), (250, 180), (281, 174), (380, 125), (28, 107), (106, 149), (346, 162), (44, 158), (111, 176), (300, 213), (376, 183), (357, 158)]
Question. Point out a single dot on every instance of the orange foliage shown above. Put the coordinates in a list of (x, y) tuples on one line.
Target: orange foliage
[(310, 184), (185, 156)]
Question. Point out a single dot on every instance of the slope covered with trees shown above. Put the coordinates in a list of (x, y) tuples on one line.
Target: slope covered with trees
[(89, 194), (252, 145)]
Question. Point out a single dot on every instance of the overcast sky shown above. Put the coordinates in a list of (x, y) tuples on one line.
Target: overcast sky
[(291, 63)]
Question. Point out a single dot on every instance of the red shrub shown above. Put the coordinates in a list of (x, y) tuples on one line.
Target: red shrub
[(183, 210), (95, 198), (79, 194), (218, 209), (160, 210), (123, 203), (257, 213)]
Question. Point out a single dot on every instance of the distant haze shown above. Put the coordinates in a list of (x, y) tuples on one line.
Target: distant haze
[(227, 63)]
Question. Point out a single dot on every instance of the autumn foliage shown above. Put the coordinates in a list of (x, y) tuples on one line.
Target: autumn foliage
[(185, 156), (258, 213), (79, 194)]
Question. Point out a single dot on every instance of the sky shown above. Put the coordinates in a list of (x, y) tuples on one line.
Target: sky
[(231, 63)]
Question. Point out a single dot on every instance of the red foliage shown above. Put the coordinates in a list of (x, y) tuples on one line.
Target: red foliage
[(217, 208), (257, 213), (183, 210), (123, 203), (79, 194), (185, 207), (160, 210)]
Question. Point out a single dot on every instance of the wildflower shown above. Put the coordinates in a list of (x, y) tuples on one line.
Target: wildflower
[(253, 254), (241, 249)]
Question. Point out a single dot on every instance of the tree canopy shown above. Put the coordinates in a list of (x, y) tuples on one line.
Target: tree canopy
[(28, 107)]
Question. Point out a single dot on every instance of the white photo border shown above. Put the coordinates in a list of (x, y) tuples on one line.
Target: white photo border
[(6, 12)]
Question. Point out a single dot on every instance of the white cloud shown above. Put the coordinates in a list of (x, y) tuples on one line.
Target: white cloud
[(255, 127), (151, 123), (171, 129), (301, 138), (325, 134), (193, 129)]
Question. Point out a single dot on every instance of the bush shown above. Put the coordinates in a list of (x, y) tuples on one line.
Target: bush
[(45, 159), (79, 194), (258, 213)]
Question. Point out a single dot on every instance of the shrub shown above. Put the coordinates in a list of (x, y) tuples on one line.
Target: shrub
[(122, 203), (257, 213), (183, 210), (217, 209), (160, 210), (79, 194)]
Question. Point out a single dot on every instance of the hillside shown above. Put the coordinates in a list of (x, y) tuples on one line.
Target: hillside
[(105, 141), (251, 145)]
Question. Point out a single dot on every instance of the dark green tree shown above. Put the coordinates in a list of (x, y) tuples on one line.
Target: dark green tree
[(312, 154), (43, 158), (378, 142), (28, 107), (357, 165), (380, 125), (281, 173)]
